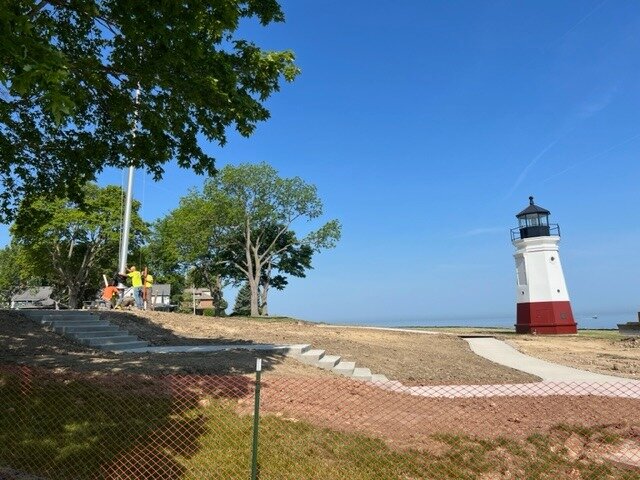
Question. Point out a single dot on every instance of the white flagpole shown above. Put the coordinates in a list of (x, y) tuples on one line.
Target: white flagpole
[(124, 240)]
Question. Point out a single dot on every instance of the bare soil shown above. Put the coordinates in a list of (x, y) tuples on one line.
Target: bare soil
[(410, 421), (296, 392), (24, 342), (408, 357), (413, 359)]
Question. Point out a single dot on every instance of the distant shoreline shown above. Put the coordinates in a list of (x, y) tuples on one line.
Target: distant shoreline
[(604, 321)]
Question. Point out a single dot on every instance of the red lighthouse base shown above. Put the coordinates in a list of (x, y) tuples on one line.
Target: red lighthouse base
[(545, 318)]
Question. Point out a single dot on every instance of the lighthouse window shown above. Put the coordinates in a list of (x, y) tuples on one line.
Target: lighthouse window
[(534, 220)]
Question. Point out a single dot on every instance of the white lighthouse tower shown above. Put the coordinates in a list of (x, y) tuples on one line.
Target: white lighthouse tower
[(542, 299)]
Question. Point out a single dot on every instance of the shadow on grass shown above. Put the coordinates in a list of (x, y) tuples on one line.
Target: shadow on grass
[(78, 426)]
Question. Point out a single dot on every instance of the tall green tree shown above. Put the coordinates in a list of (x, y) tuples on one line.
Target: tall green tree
[(241, 226), (289, 257), (265, 207), (13, 278), (242, 306), (70, 72), (188, 242), (74, 246)]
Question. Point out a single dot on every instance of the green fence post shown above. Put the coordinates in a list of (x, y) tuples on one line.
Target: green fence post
[(256, 421)]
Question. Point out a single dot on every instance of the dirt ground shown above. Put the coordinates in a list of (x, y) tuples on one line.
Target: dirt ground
[(414, 359), (411, 358), (296, 392), (24, 342)]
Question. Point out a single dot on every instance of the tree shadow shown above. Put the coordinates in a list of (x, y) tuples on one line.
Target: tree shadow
[(75, 425), (160, 336), (24, 341)]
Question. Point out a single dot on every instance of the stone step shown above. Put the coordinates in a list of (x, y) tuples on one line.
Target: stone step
[(75, 323), (100, 341), (74, 318), (344, 368), (82, 335), (298, 349), (311, 357), (361, 374), (126, 346), (37, 312), (85, 329), (379, 378), (328, 361), (38, 315)]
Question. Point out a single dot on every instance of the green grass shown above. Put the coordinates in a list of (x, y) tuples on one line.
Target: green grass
[(80, 430), (65, 430)]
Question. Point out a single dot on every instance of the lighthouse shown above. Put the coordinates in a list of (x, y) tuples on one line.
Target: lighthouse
[(543, 305)]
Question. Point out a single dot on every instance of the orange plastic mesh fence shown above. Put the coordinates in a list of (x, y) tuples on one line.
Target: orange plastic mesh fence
[(78, 426)]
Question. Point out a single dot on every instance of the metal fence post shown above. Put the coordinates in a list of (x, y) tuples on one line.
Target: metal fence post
[(256, 421)]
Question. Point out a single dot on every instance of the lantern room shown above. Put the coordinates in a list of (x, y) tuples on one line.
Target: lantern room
[(533, 221)]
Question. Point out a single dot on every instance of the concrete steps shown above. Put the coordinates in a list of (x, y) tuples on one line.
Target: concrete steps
[(334, 363), (89, 329), (328, 361), (86, 328), (112, 340)]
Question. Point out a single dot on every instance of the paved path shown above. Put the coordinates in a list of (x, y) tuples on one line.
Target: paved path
[(504, 354), (540, 389), (500, 352), (556, 379), (214, 348)]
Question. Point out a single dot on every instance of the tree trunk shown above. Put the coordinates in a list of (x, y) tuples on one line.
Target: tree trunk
[(253, 270), (217, 297), (74, 293), (264, 309), (253, 286)]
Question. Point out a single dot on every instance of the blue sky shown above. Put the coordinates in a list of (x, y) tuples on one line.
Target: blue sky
[(425, 126)]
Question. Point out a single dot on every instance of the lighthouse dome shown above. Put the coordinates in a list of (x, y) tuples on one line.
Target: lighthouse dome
[(533, 221)]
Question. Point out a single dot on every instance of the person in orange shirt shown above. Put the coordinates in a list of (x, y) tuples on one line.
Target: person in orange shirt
[(111, 294)]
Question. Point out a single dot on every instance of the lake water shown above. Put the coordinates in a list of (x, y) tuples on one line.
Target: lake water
[(604, 320)]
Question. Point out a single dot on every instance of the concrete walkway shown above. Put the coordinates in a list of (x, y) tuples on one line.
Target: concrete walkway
[(500, 352), (217, 348), (540, 389), (557, 379)]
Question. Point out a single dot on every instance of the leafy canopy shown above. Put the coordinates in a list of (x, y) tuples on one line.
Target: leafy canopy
[(69, 75), (241, 227), (70, 246)]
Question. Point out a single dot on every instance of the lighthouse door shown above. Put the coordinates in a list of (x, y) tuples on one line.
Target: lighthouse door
[(544, 316)]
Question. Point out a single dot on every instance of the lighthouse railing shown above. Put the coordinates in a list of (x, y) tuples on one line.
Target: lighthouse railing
[(516, 233)]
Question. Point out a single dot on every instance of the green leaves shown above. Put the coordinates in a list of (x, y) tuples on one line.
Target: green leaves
[(72, 244), (70, 70), (240, 227)]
